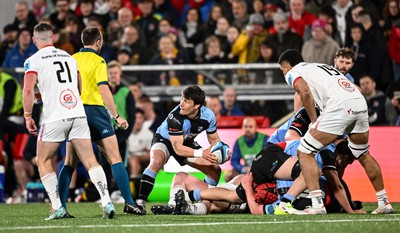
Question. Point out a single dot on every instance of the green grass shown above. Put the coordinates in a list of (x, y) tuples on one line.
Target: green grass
[(30, 218)]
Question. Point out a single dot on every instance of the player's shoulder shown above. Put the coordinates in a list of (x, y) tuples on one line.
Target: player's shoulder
[(206, 113), (174, 114)]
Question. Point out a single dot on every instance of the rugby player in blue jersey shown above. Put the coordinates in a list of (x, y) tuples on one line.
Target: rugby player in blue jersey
[(175, 137)]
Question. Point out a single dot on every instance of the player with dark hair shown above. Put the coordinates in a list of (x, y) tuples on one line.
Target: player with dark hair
[(96, 96), (57, 77), (343, 110), (175, 137), (344, 61)]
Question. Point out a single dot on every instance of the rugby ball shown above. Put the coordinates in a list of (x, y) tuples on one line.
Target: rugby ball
[(222, 151)]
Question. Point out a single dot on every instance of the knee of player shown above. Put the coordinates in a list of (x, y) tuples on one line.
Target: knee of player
[(156, 163), (180, 176)]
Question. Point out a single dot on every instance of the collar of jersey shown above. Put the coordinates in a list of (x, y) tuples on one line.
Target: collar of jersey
[(88, 50)]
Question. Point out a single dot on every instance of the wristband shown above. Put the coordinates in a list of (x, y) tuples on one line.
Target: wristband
[(198, 153), (27, 115), (116, 117)]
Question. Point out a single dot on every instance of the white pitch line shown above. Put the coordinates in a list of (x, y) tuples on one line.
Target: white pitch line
[(197, 224)]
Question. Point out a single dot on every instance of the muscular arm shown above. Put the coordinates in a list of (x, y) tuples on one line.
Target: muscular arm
[(28, 91), (213, 138), (338, 189), (179, 148), (303, 90)]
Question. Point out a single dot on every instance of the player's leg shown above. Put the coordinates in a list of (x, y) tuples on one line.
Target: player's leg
[(45, 154), (311, 143), (212, 170), (109, 147), (358, 144), (66, 172), (159, 154), (84, 150)]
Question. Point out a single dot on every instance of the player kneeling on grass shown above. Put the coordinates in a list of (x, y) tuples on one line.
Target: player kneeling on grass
[(56, 75), (175, 137)]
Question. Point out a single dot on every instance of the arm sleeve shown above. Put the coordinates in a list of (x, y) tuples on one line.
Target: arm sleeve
[(328, 159), (101, 73), (291, 77), (213, 125), (175, 125)]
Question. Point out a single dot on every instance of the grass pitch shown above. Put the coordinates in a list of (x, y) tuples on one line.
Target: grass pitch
[(30, 218)]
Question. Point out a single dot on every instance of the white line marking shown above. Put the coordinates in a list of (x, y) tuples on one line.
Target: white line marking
[(199, 224)]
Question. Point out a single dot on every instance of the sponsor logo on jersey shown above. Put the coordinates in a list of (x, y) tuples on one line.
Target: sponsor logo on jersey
[(173, 129), (346, 84), (68, 99), (200, 128), (27, 65), (290, 80)]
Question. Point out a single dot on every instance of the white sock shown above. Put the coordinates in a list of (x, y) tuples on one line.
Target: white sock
[(50, 183), (316, 199), (99, 180), (172, 192), (197, 208), (382, 197)]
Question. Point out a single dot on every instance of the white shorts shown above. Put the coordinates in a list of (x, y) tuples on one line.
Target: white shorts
[(58, 131), (350, 116)]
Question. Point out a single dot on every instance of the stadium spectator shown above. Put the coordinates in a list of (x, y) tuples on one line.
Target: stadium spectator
[(371, 8), (247, 44), (393, 47), (191, 35), (315, 6), (175, 138), (214, 104), (231, 36), (136, 89), (396, 103), (152, 120), (214, 53), (166, 10), (374, 33), (87, 11), (230, 107), (268, 53), (61, 41), (106, 51), (168, 55), (355, 10), (139, 144), (221, 32), (139, 52), (344, 20), (114, 6), (41, 8), (59, 17), (74, 30), (240, 16), (299, 18), (366, 55), (212, 19), (124, 102), (246, 148), (390, 14), (321, 47), (125, 17), (10, 32), (24, 18), (380, 109), (124, 55), (21, 51), (148, 22), (269, 11), (284, 38)]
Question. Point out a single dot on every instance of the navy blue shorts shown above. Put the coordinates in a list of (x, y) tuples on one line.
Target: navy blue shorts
[(99, 122)]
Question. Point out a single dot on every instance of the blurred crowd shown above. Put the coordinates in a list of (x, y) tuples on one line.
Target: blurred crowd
[(168, 32)]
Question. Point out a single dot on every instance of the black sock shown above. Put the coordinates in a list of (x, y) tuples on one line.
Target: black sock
[(146, 186), (191, 195)]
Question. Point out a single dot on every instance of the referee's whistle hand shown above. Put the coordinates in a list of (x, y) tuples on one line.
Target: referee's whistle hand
[(122, 123)]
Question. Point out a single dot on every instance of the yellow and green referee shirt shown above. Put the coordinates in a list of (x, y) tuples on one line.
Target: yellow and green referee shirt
[(93, 71)]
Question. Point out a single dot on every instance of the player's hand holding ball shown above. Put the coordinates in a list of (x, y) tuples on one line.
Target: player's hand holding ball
[(222, 152)]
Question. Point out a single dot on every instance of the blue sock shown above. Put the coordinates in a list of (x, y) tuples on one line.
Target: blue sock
[(289, 197), (122, 180), (196, 195), (210, 181), (150, 173), (64, 180)]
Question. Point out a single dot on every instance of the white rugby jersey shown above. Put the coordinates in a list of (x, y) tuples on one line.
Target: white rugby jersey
[(57, 79), (328, 86)]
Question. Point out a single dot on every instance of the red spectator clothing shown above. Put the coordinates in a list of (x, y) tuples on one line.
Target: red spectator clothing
[(299, 25), (394, 44), (178, 4)]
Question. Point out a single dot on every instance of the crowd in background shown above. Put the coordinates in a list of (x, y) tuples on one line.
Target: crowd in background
[(167, 32)]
